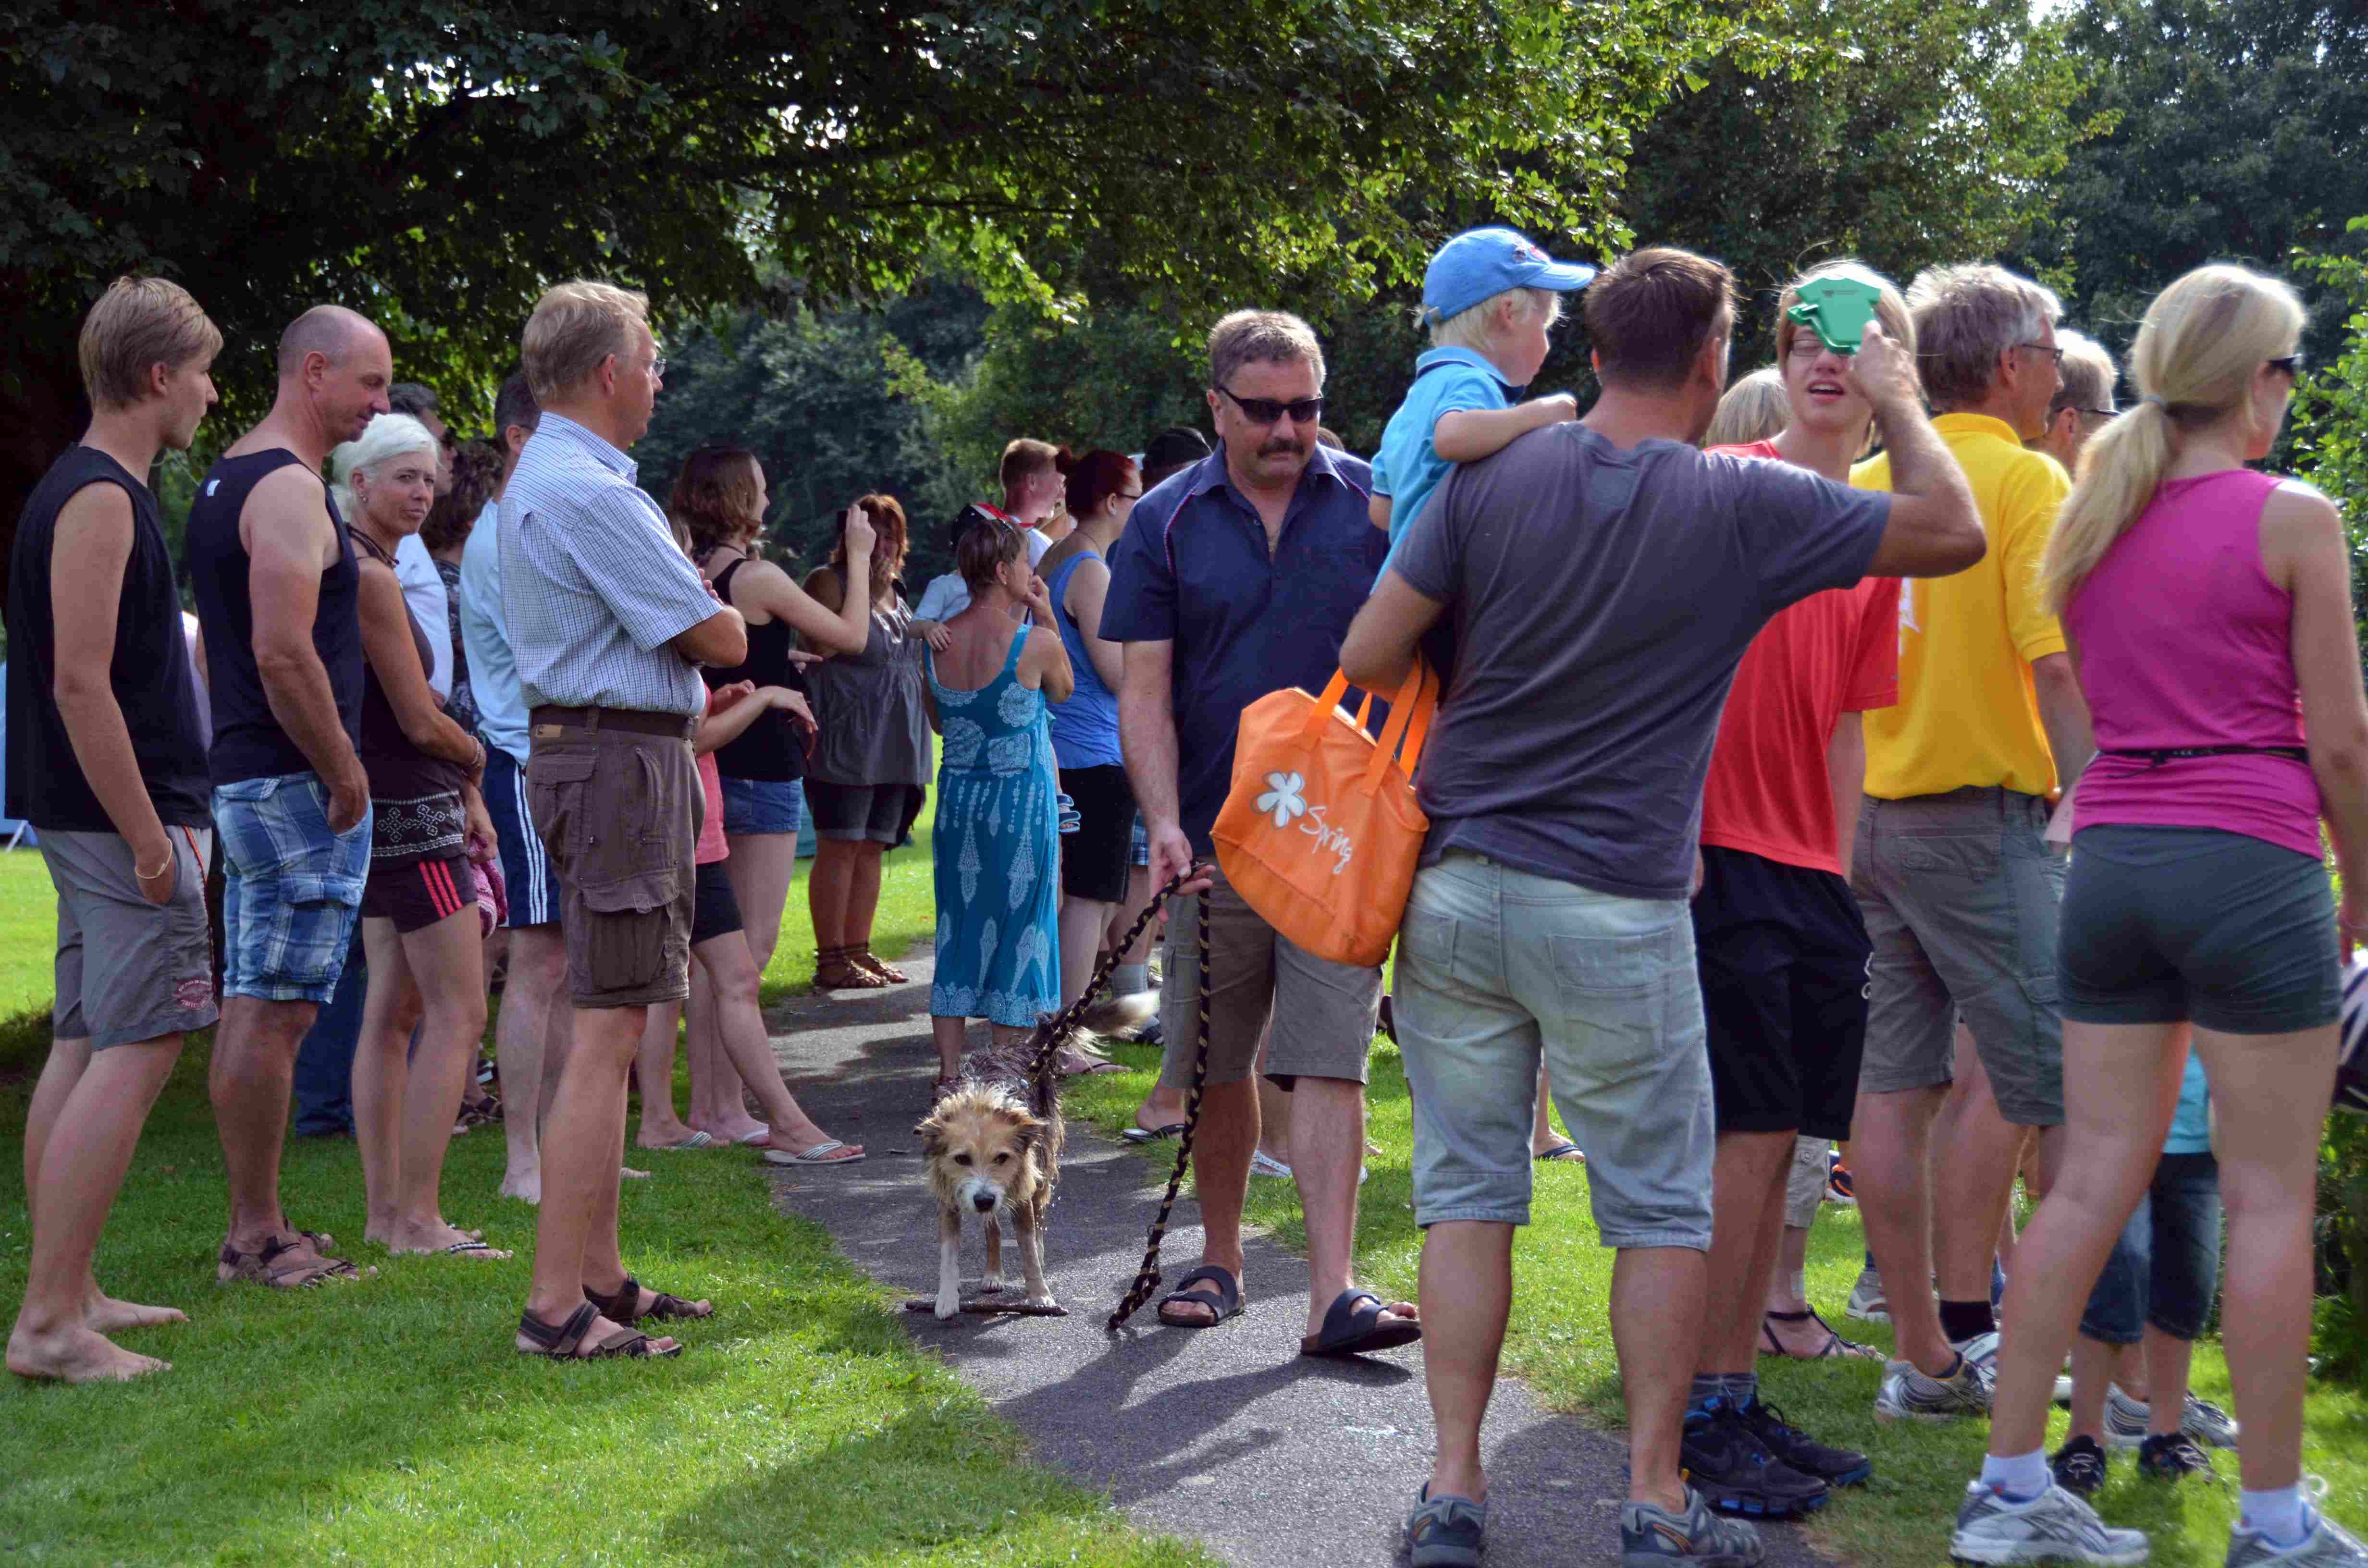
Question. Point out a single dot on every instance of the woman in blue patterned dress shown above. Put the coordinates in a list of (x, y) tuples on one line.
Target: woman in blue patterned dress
[(998, 835)]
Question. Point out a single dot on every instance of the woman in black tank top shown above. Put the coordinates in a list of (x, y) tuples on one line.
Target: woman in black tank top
[(420, 921), (720, 498)]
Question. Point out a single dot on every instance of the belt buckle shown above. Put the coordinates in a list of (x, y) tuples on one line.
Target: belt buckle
[(547, 731)]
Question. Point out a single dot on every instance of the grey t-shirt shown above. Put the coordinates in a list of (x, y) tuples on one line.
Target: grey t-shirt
[(1600, 599)]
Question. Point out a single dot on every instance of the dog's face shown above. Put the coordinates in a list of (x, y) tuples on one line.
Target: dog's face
[(980, 1145)]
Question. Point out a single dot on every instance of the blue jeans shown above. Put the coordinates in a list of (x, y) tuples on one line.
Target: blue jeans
[(325, 1063), (1498, 968), (2166, 1267)]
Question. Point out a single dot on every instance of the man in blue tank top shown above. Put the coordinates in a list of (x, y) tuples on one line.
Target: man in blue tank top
[(105, 759), (274, 580)]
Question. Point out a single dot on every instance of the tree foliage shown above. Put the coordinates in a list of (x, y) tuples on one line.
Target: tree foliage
[(1929, 132), (435, 165), (2236, 136)]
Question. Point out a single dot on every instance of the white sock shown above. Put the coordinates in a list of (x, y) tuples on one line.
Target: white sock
[(1129, 979), (2018, 1479), (2276, 1513)]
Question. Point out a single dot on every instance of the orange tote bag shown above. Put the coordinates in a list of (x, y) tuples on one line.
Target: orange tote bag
[(1320, 832)]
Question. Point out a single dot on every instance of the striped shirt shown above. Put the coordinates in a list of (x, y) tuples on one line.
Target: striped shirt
[(593, 585)]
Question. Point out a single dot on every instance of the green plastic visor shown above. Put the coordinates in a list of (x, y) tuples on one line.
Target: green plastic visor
[(1836, 310)]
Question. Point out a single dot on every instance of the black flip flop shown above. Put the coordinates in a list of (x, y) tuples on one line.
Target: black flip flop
[(1140, 1135), (1564, 1153), (1228, 1302), (1349, 1331)]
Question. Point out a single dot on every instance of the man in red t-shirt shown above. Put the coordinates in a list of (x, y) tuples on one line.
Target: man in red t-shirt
[(1781, 949)]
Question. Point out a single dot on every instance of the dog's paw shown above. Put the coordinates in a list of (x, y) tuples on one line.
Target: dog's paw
[(991, 1286), (948, 1306)]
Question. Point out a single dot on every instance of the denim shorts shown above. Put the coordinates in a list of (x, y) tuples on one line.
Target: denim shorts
[(1498, 967), (2166, 1267), (291, 889), (762, 805), (1961, 895)]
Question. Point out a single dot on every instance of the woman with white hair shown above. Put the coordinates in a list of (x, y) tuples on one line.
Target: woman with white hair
[(420, 921), (2208, 610)]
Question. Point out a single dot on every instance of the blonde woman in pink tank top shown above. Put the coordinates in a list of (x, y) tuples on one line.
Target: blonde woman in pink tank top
[(2209, 614)]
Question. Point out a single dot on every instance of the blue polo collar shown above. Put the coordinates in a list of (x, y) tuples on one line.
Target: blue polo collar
[(1431, 359), (597, 447), (1210, 472)]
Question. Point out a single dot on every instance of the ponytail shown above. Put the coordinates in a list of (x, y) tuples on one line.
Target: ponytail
[(2204, 340)]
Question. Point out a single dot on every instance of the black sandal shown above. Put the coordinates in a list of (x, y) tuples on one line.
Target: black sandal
[(1225, 1303), (563, 1342), (618, 1306), (1835, 1349)]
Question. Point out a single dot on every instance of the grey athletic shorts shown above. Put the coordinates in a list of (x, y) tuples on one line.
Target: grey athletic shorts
[(129, 970), (2164, 924), (1960, 893)]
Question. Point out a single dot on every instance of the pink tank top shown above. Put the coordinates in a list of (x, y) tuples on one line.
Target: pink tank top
[(2184, 642)]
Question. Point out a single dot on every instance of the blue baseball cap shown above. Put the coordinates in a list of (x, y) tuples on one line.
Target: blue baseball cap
[(1479, 263)]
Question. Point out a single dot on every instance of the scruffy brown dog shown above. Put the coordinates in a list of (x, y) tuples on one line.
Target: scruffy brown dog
[(991, 1152)]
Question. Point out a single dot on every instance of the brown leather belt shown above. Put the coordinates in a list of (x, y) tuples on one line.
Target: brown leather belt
[(632, 721)]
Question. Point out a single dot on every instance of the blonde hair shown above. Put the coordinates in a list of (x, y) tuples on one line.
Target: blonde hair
[(1965, 317), (1754, 409), (1890, 307), (138, 324), (2203, 341), (2089, 375), (384, 439), (575, 327), (1468, 328)]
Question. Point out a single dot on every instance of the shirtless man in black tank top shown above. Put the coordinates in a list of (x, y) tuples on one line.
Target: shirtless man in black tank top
[(274, 580)]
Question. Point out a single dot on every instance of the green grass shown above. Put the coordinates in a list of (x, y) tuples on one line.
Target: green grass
[(389, 1421), (1560, 1342)]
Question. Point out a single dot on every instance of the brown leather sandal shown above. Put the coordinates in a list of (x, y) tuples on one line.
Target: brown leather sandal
[(864, 957), (271, 1266), (565, 1342), (618, 1305), (836, 969)]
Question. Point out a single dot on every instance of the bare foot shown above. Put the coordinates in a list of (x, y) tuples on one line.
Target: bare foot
[(443, 1239), (662, 1135), (77, 1355), (602, 1334), (102, 1314), (731, 1130), (524, 1185), (803, 1145), (630, 1174), (1392, 1311)]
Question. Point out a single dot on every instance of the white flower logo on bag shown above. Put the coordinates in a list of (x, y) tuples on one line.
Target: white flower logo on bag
[(1283, 797)]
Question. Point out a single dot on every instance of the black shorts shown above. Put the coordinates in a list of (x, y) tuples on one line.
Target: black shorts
[(856, 814), (1783, 958), (1097, 859), (715, 906), (418, 895)]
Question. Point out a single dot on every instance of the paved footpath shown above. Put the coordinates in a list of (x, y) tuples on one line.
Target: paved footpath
[(1226, 1435)]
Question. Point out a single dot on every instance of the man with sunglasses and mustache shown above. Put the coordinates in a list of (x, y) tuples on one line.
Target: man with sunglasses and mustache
[(1238, 577)]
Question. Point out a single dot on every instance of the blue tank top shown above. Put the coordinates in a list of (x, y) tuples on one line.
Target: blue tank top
[(1085, 728), (248, 741)]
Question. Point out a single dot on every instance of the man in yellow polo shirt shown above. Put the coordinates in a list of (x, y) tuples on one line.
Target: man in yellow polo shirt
[(1952, 869)]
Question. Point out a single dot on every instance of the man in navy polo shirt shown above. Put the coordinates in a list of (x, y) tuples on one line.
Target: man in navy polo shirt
[(1238, 577)]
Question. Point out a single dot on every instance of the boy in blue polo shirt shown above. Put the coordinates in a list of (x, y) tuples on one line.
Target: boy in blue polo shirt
[(1489, 297)]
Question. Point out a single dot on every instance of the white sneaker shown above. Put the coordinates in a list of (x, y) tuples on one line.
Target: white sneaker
[(2054, 1527), (1982, 1349), (1867, 1303), (1907, 1395), (2126, 1420), (2328, 1545)]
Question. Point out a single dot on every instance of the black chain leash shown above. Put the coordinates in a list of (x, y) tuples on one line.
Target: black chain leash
[(1146, 1279)]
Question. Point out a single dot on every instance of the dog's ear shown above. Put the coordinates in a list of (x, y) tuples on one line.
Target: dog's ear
[(932, 1135)]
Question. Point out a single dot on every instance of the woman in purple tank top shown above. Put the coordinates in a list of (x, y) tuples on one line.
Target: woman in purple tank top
[(2208, 611)]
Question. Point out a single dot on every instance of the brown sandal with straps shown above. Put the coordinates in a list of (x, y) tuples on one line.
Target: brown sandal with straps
[(618, 1305), (863, 958), (836, 969), (271, 1265), (565, 1342)]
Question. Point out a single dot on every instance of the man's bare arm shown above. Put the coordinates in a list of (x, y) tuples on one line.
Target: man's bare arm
[(1146, 727), (289, 543), (87, 556), (1379, 649), (1846, 777), (722, 640), (2063, 714)]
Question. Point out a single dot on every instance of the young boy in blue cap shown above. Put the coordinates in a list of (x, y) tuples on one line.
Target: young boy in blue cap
[(1489, 297)]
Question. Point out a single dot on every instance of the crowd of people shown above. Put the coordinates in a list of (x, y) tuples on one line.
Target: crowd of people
[(1753, 829)]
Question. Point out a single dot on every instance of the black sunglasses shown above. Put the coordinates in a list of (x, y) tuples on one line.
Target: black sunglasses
[(1266, 411), (2289, 363)]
